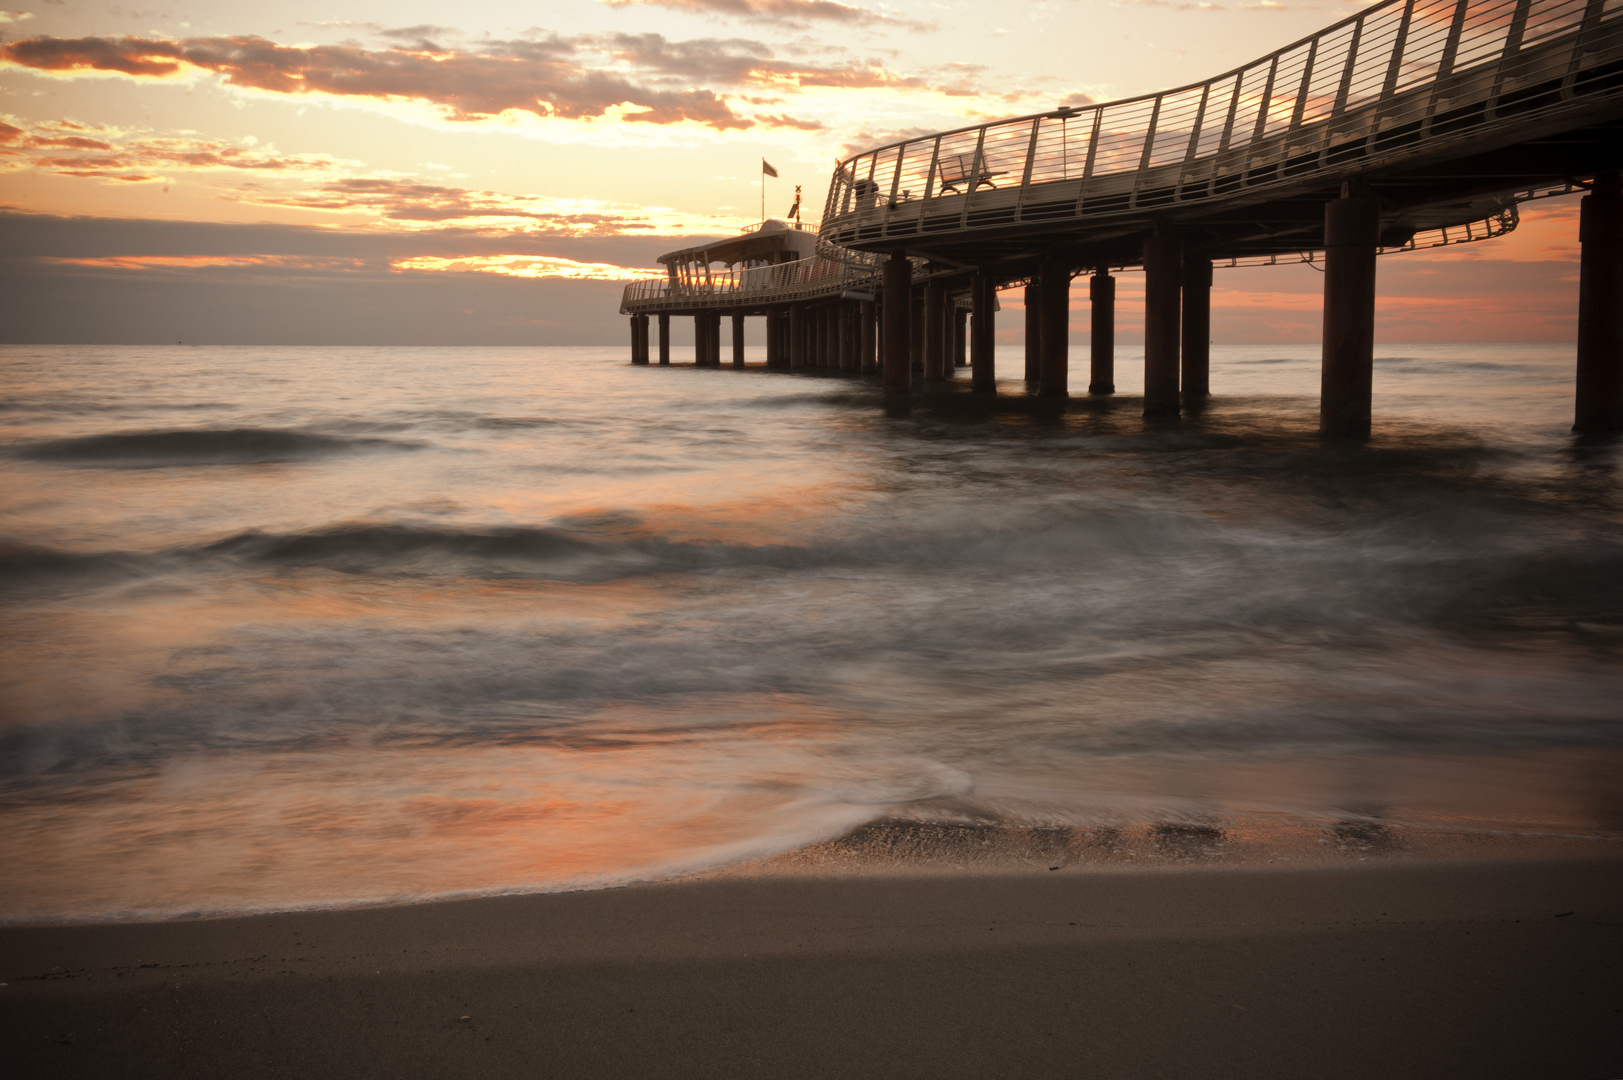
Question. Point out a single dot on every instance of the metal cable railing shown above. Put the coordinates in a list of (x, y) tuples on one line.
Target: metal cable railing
[(1399, 78)]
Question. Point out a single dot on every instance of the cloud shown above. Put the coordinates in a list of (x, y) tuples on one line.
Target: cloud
[(73, 149), (791, 12), (527, 266), (540, 77), (631, 78)]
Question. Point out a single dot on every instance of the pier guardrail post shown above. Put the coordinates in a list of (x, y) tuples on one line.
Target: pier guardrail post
[(1599, 390), (1102, 340), (983, 369), (1163, 325), (1352, 227), (898, 314), (1197, 329)]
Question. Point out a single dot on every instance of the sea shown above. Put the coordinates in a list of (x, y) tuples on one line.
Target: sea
[(308, 627)]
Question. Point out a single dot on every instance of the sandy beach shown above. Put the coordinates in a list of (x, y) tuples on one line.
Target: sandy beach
[(1496, 968)]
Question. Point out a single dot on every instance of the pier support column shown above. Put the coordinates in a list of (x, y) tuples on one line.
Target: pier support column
[(1600, 308), (738, 339), (867, 337), (1054, 330), (797, 337), (1352, 228), (960, 336), (772, 358), (699, 327), (935, 348), (639, 354), (664, 337), (1102, 347), (1197, 330), (982, 301), (915, 336), (849, 346), (1034, 332), (715, 339), (1163, 273), (898, 285)]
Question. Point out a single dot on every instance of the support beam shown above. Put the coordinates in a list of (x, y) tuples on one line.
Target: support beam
[(1163, 273), (738, 339), (1102, 350), (960, 336), (1034, 333), (983, 366), (701, 324), (935, 345), (898, 284), (637, 354), (915, 337), (1197, 329), (1352, 228), (869, 336), (797, 337), (1054, 330), (664, 337), (1599, 405)]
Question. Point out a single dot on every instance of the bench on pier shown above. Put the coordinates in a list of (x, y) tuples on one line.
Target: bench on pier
[(957, 169)]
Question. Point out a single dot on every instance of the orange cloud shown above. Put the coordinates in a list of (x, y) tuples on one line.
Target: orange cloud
[(203, 262), (639, 78), (526, 266)]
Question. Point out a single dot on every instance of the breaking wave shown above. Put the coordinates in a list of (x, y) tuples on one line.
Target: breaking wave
[(202, 446)]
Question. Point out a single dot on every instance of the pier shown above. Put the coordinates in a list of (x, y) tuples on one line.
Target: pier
[(1411, 125)]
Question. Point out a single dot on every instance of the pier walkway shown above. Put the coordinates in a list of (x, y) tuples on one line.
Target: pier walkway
[(1410, 124)]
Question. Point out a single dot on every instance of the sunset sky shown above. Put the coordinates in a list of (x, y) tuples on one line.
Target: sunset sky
[(487, 172)]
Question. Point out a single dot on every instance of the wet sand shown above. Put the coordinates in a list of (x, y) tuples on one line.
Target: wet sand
[(1507, 967)]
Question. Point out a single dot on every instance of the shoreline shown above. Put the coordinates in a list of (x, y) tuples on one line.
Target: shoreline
[(1503, 966)]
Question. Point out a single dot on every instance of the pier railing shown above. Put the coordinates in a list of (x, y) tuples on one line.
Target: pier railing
[(828, 273), (1399, 78)]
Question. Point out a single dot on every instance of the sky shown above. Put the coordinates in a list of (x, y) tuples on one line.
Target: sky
[(359, 172)]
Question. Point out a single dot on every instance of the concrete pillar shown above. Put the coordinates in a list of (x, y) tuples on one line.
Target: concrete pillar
[(1034, 332), (772, 352), (636, 340), (699, 328), (1163, 274), (664, 337), (983, 299), (915, 337), (1600, 308), (797, 337), (848, 335), (868, 337), (1054, 330), (1197, 329), (960, 336), (898, 285), (738, 339), (642, 339), (935, 347), (1352, 228), (1102, 302)]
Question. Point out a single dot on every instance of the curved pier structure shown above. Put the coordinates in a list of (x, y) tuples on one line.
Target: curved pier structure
[(1411, 124)]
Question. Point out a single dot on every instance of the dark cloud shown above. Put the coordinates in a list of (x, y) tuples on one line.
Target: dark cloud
[(547, 75), (542, 77), (127, 281)]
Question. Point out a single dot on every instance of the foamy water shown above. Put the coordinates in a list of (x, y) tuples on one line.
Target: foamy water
[(291, 627)]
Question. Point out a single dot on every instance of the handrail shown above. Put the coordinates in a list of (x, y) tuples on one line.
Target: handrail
[(829, 272), (1390, 80)]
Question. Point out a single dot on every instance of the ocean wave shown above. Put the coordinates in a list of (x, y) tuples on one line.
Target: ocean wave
[(201, 446)]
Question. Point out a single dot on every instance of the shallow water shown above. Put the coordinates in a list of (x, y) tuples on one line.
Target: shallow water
[(291, 627)]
